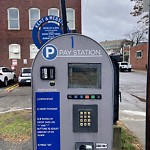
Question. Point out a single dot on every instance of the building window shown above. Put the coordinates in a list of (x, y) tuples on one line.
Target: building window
[(33, 51), (13, 19), (14, 51), (71, 18), (53, 11), (34, 16), (139, 54)]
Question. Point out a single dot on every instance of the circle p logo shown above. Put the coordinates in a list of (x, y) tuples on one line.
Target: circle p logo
[(50, 52)]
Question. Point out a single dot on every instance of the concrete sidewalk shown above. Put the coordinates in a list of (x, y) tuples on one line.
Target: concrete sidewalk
[(133, 117), (5, 145), (133, 106), (140, 71)]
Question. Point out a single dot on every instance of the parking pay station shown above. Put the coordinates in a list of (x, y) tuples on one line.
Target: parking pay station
[(72, 95)]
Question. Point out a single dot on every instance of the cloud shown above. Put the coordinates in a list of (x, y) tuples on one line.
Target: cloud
[(106, 19)]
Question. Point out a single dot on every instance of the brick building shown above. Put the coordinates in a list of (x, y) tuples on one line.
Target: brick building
[(138, 56), (17, 21)]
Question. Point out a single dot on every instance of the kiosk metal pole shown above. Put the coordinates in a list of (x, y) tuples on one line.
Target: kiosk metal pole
[(64, 17)]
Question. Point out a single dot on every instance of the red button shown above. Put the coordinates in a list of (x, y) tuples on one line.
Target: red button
[(87, 96)]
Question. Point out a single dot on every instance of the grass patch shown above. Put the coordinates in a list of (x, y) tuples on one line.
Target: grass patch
[(128, 140), (16, 126)]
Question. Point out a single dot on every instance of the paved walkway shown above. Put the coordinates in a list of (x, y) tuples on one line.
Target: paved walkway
[(133, 112), (134, 120), (4, 145)]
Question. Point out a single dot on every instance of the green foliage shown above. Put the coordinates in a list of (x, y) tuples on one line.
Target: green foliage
[(127, 140)]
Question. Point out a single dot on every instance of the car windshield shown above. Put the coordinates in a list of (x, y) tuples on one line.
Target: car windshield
[(26, 71)]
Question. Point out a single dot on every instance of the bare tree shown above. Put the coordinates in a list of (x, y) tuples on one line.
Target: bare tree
[(138, 7), (138, 35), (138, 10)]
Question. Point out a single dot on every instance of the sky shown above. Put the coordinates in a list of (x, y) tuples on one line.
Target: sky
[(107, 19)]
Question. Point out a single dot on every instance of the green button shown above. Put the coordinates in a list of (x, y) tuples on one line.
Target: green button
[(92, 96)]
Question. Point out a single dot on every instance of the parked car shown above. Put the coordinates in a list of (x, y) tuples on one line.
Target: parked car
[(25, 76), (7, 75), (125, 66)]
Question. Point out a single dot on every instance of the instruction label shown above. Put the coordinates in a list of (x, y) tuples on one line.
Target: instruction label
[(48, 120)]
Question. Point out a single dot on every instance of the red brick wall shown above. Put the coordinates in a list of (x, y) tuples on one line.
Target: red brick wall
[(138, 63), (24, 35)]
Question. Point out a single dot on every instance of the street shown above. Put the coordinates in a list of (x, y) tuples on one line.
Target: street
[(132, 107)]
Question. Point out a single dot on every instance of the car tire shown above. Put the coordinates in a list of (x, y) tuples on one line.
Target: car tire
[(121, 70), (20, 84), (129, 70), (5, 82), (14, 79)]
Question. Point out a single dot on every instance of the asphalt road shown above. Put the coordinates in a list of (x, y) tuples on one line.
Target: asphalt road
[(132, 107), (14, 99)]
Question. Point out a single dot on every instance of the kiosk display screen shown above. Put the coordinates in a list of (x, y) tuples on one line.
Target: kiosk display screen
[(84, 75)]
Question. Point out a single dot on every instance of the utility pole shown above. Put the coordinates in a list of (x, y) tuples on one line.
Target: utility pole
[(64, 17), (147, 137)]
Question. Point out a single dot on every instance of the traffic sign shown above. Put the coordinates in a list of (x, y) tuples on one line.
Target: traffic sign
[(45, 29), (49, 31)]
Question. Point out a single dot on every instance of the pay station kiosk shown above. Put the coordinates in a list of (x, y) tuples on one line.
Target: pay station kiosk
[(72, 93)]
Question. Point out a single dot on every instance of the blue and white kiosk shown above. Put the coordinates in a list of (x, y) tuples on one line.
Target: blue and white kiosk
[(72, 94)]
